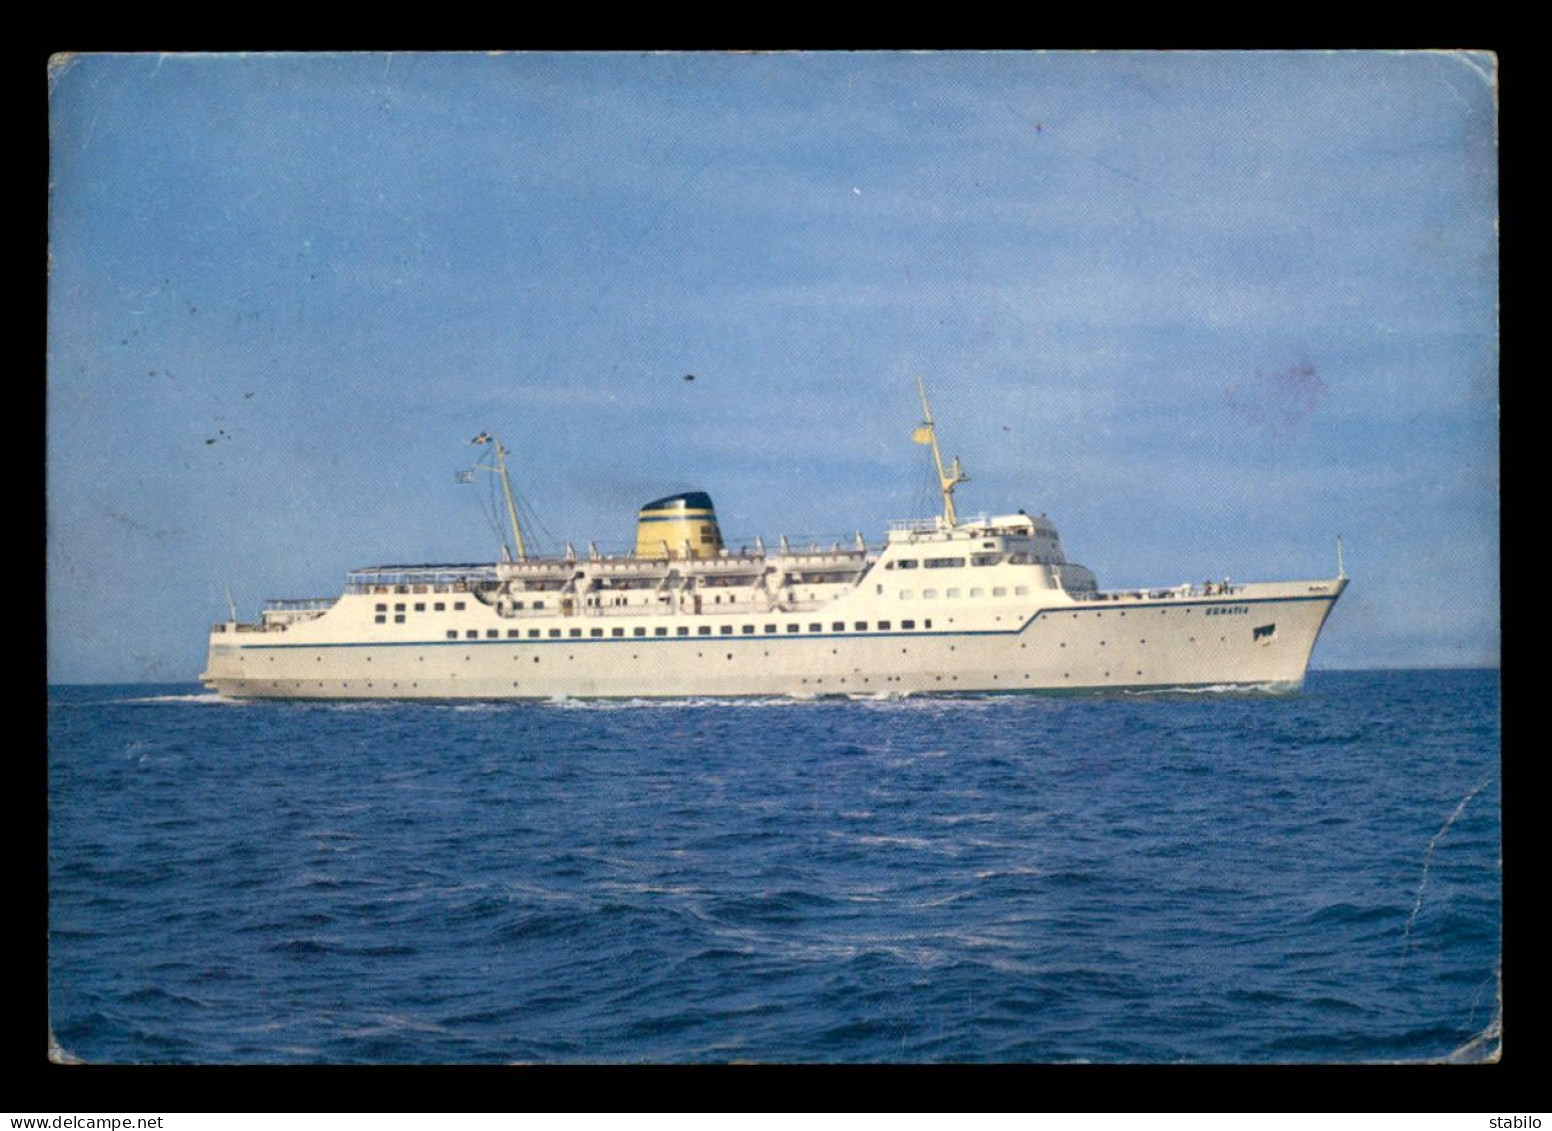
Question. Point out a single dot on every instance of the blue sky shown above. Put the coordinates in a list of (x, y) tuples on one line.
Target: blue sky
[(1206, 311)]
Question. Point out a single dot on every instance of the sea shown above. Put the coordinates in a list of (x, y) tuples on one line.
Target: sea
[(1205, 877)]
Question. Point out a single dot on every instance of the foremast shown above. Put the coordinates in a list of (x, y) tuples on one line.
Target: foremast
[(948, 479), (500, 471)]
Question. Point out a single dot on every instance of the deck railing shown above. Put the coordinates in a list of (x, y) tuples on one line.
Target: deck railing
[(1179, 592)]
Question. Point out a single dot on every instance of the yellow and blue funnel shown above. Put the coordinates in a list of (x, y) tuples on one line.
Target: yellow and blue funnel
[(667, 528)]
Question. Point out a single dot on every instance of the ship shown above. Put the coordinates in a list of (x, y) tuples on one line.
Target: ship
[(945, 605)]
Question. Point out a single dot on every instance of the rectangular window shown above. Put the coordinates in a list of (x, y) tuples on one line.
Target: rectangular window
[(532, 632), (1021, 591), (977, 592), (472, 634), (927, 623), (905, 595), (441, 606), (682, 631), (517, 604), (907, 624), (748, 630), (458, 606), (703, 630), (908, 563), (381, 618), (816, 628), (952, 593), (452, 634), (617, 632), (399, 608), (514, 633), (727, 630), (640, 632), (492, 633), (596, 632), (420, 606), (944, 563), (861, 626), (660, 632), (554, 632), (382, 608), (984, 559), (398, 618), (770, 628), (538, 604), (929, 594), (576, 632), (883, 626), (999, 591), (793, 628)]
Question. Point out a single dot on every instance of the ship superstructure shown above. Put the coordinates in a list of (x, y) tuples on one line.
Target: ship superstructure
[(944, 604)]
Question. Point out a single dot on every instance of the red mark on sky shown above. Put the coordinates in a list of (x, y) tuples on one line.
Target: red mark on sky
[(1279, 401)]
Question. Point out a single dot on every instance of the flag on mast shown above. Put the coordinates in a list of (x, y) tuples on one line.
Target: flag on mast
[(482, 438), (463, 476), (923, 435)]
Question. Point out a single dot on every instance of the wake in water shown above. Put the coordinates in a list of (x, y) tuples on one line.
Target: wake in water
[(1218, 689), (202, 699), (872, 701), (920, 700), (567, 704)]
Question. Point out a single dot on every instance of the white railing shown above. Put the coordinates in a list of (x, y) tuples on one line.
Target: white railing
[(1177, 593)]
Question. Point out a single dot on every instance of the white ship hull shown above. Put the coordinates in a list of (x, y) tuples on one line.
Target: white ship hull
[(943, 606), (1256, 636)]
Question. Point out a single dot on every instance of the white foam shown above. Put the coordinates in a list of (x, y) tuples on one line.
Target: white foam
[(1211, 689), (203, 698), (567, 704)]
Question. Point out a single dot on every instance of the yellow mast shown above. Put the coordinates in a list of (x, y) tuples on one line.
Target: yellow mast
[(506, 489), (927, 433)]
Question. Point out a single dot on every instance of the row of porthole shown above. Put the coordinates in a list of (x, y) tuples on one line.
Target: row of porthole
[(865, 679), (684, 630), (1142, 641), (817, 682), (699, 655), (705, 630), (1100, 613)]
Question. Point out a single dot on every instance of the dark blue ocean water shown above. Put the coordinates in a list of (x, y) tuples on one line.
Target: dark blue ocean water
[(1208, 877)]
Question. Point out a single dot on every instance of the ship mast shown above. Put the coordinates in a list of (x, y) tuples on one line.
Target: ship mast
[(506, 489), (927, 433)]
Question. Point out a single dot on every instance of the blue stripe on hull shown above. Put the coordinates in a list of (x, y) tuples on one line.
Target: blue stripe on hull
[(767, 638)]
